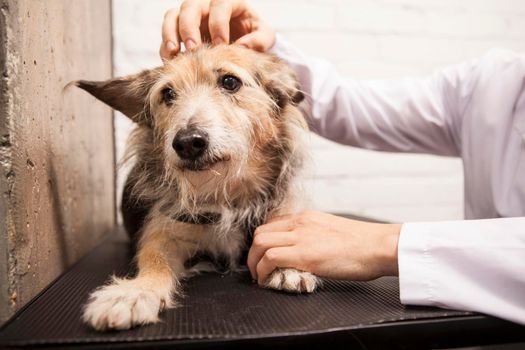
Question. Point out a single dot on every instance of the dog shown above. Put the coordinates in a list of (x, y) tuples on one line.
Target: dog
[(216, 153)]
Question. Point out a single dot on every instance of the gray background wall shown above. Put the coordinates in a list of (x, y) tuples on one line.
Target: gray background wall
[(56, 149)]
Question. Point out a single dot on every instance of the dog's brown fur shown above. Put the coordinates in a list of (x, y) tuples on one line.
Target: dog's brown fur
[(248, 173)]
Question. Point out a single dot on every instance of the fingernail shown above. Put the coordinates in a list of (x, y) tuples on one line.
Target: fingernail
[(190, 44), (170, 45)]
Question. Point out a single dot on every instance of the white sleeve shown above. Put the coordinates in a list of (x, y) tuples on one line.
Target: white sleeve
[(407, 115), (474, 265)]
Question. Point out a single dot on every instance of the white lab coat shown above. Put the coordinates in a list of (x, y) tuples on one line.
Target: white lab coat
[(475, 111)]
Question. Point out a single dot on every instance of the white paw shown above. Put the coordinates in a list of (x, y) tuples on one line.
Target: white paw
[(125, 303), (292, 280)]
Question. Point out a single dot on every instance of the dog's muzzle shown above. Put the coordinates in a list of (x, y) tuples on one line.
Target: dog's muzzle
[(190, 144)]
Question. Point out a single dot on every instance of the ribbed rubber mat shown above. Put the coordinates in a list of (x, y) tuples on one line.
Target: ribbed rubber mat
[(215, 307)]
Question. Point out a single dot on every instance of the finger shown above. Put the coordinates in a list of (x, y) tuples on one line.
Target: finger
[(221, 14), (272, 259), (278, 224), (264, 242), (190, 17), (170, 34), (219, 21), (280, 218), (259, 40)]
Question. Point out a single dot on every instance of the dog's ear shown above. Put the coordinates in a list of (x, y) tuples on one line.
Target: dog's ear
[(280, 81), (126, 94)]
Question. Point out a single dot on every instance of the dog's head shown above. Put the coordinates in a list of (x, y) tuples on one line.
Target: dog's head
[(220, 116)]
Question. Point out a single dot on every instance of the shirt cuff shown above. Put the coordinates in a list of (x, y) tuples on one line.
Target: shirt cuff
[(415, 264)]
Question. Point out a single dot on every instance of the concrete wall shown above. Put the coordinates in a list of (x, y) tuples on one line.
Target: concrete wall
[(366, 39), (56, 149)]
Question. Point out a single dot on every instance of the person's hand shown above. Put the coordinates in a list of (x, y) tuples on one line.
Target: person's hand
[(325, 245), (217, 21)]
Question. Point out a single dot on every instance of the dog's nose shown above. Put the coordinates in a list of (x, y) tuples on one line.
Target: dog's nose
[(190, 144)]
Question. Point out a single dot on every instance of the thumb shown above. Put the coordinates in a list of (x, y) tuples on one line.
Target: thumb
[(259, 40)]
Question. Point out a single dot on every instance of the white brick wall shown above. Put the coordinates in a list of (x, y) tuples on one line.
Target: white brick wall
[(365, 39)]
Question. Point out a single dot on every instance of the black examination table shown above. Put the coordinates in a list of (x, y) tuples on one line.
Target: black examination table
[(230, 311)]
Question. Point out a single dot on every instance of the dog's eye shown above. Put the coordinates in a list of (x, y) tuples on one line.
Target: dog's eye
[(230, 83), (168, 95)]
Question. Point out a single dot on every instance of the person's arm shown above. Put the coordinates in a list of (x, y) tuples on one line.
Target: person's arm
[(405, 115), (410, 115), (476, 265)]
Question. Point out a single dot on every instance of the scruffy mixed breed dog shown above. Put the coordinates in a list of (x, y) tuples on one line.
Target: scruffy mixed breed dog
[(216, 153)]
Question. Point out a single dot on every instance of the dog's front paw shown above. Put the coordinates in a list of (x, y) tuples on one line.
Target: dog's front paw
[(292, 280), (125, 303)]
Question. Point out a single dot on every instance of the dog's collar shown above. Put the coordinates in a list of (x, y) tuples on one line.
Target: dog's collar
[(205, 218)]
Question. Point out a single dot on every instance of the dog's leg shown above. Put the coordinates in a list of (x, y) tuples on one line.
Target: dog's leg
[(124, 303)]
